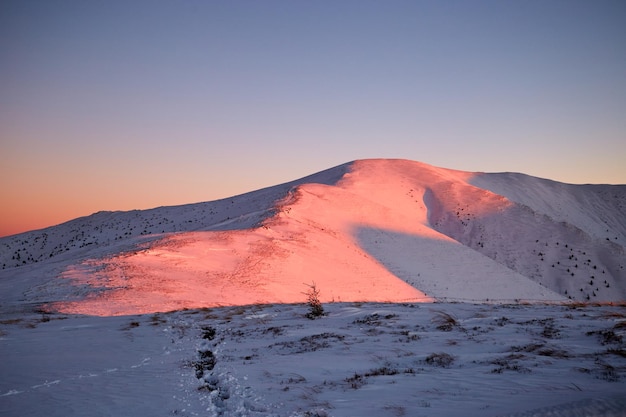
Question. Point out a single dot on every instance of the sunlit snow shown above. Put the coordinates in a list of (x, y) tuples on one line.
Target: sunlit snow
[(445, 292)]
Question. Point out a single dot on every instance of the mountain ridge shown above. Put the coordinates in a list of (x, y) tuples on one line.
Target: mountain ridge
[(376, 222)]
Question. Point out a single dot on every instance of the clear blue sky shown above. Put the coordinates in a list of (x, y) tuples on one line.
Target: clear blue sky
[(115, 105)]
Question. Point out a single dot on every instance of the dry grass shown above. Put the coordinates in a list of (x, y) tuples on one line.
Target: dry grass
[(444, 321), (11, 321), (440, 359)]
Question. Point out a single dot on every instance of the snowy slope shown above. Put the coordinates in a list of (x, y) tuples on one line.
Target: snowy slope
[(579, 234), (371, 230), (122, 230), (33, 261), (596, 209)]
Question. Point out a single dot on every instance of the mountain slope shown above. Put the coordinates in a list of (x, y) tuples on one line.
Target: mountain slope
[(123, 230), (371, 230)]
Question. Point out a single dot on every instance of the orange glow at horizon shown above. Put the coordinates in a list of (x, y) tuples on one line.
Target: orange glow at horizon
[(95, 117)]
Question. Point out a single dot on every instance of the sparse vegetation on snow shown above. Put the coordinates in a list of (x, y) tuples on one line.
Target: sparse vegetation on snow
[(363, 359)]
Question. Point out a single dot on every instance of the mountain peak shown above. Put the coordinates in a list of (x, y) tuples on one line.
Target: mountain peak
[(368, 230)]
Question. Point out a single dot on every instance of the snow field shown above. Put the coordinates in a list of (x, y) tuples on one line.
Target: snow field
[(420, 359), (360, 359)]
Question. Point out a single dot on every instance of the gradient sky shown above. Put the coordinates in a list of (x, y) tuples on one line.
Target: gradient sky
[(118, 105)]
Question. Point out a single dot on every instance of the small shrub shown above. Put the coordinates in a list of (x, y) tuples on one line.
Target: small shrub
[(318, 341), (618, 352), (532, 347), (607, 337), (309, 343), (374, 319), (130, 325), (315, 413), (276, 331), (502, 321), (554, 353), (550, 332), (620, 325), (509, 363), (385, 370), (606, 372), (315, 305), (356, 381), (443, 360), (157, 320)]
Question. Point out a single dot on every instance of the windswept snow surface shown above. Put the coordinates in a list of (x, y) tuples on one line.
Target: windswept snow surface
[(360, 359)]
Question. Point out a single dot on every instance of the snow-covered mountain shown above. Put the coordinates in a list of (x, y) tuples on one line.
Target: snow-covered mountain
[(118, 313), (369, 230)]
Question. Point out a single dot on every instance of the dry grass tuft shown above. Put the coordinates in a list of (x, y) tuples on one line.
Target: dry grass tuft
[(444, 321)]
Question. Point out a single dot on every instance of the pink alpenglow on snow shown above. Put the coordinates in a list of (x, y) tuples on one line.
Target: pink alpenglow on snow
[(379, 231)]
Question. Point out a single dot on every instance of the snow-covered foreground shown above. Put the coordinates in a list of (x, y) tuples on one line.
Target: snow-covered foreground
[(360, 359)]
